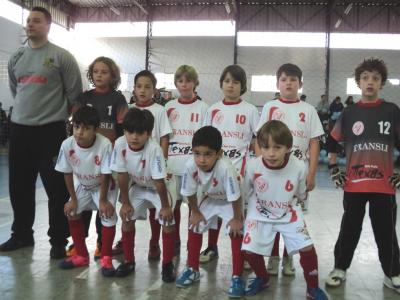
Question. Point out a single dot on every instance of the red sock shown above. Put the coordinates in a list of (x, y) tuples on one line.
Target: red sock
[(257, 263), (213, 235), (237, 256), (275, 249), (155, 227), (285, 252), (128, 245), (168, 247), (177, 218), (194, 245), (107, 239), (309, 262), (77, 230)]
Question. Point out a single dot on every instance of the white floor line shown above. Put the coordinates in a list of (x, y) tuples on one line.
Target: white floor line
[(83, 274)]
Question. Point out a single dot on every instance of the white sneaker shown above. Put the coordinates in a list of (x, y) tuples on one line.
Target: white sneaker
[(392, 283), (287, 266), (336, 278), (273, 265)]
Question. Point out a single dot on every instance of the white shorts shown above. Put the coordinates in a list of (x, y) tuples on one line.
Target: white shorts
[(259, 236), (88, 199), (142, 198), (211, 210)]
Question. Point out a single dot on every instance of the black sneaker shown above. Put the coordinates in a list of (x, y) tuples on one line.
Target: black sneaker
[(57, 252), (168, 273), (124, 269), (14, 243)]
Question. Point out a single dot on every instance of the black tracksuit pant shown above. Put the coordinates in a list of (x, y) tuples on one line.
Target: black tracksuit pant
[(34, 150), (382, 211)]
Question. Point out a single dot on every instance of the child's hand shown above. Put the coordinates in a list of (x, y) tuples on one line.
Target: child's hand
[(106, 209), (195, 219), (166, 215), (126, 212), (338, 177), (236, 226), (310, 182), (395, 180), (70, 208)]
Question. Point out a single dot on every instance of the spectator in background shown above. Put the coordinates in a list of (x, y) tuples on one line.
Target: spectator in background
[(277, 96), (158, 97), (303, 97), (335, 110), (349, 101), (323, 111)]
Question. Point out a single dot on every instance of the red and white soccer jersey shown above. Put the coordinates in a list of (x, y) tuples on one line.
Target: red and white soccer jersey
[(185, 120), (87, 164), (237, 123), (215, 190), (161, 122), (301, 118), (272, 207), (271, 190), (142, 166)]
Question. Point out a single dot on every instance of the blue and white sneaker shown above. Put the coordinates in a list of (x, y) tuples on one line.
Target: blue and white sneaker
[(255, 285), (316, 294), (187, 278), (236, 290)]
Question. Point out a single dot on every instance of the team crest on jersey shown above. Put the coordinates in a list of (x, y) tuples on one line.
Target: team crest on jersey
[(260, 183), (217, 117), (173, 115), (97, 160), (289, 186), (276, 114), (358, 128), (73, 158)]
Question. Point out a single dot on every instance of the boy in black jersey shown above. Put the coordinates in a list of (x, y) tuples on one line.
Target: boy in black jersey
[(370, 130)]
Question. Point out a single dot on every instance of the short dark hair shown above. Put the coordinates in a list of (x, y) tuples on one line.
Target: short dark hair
[(45, 12), (137, 120), (146, 73), (279, 133), (289, 70), (207, 136), (114, 71), (86, 115), (372, 64), (238, 74)]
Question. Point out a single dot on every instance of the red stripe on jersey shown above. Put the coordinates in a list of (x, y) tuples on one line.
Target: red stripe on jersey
[(214, 113), (170, 110), (271, 112), (294, 215), (243, 166)]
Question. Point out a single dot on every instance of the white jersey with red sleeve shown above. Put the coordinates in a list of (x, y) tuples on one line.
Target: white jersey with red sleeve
[(161, 122), (301, 118), (88, 164), (143, 166), (185, 119), (271, 191), (219, 184), (237, 123)]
